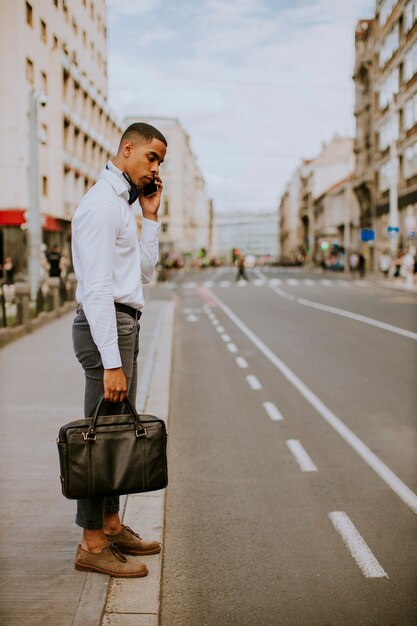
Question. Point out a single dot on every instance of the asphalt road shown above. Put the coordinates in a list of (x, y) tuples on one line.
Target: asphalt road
[(292, 495)]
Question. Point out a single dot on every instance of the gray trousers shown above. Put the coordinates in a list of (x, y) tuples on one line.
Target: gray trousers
[(90, 511)]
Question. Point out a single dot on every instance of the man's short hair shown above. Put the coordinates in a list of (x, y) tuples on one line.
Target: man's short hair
[(140, 131)]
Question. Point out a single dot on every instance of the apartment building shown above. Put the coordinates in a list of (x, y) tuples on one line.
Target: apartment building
[(319, 205), (252, 233), (55, 52), (386, 125), (186, 212)]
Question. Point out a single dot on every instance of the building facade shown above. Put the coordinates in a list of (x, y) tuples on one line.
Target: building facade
[(53, 53), (186, 210), (250, 233), (319, 206), (386, 125)]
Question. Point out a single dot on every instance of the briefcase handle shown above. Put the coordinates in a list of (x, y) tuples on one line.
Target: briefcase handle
[(91, 433)]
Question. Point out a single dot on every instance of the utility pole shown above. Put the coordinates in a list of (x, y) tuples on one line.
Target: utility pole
[(34, 215), (393, 189)]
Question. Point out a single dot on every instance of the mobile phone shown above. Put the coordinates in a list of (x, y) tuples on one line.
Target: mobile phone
[(150, 189)]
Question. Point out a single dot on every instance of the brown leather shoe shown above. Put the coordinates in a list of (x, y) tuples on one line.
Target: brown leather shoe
[(129, 542), (109, 561)]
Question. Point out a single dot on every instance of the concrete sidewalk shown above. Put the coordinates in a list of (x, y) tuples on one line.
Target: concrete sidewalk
[(41, 388)]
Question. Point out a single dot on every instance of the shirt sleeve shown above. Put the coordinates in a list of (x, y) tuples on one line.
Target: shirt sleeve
[(149, 248), (96, 233)]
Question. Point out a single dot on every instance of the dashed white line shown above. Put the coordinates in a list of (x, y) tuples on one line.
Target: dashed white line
[(357, 546), (220, 329), (275, 281), (258, 282), (293, 282), (192, 318), (224, 283), (309, 282), (226, 338), (301, 456), (190, 285), (208, 283), (242, 362), (215, 322), (325, 282), (253, 382), (272, 411), (232, 347), (384, 472)]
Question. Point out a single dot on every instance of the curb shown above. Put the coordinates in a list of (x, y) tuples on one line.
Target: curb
[(136, 601)]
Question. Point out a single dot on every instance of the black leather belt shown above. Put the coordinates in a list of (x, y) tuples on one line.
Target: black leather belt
[(123, 308)]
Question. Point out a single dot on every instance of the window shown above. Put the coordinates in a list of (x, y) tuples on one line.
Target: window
[(74, 26), (385, 10), (29, 14), (410, 113), (384, 177), (92, 10), (410, 63), (29, 71), (388, 87), (410, 161), (55, 42), (166, 206), (389, 46), (43, 32), (388, 131), (84, 38), (164, 228), (44, 185), (55, 3), (44, 83), (410, 14)]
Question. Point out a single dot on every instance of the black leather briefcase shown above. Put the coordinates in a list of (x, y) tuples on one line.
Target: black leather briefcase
[(112, 455)]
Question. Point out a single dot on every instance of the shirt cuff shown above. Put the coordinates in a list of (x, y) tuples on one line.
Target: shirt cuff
[(150, 229), (110, 357)]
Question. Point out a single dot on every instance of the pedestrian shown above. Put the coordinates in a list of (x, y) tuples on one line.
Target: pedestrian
[(385, 264), (241, 274), (54, 260), (361, 265), (8, 269), (111, 265), (353, 263)]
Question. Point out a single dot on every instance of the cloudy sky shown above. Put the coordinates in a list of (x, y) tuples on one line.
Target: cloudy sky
[(257, 84)]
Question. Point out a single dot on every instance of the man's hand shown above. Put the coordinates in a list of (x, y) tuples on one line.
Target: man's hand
[(150, 206), (115, 386)]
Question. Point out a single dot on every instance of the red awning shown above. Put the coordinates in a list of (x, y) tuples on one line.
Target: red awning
[(16, 217), (51, 223), (12, 217)]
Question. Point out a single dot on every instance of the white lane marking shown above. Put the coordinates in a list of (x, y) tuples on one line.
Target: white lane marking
[(190, 285), (309, 282), (220, 329), (272, 411), (215, 322), (325, 282), (170, 285), (253, 382), (343, 283), (242, 283), (224, 283), (242, 362), (361, 283), (293, 282), (275, 281), (232, 347), (258, 282), (226, 338), (301, 456), (358, 318), (208, 283), (192, 318), (383, 471), (357, 546)]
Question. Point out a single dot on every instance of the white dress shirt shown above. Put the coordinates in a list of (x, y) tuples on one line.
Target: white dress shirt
[(110, 261)]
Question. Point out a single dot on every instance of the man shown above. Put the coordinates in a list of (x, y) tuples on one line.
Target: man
[(111, 266), (54, 260)]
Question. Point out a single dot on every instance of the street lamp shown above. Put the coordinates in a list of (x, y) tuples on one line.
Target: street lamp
[(34, 217)]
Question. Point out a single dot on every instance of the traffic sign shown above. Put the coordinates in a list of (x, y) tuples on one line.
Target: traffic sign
[(367, 234)]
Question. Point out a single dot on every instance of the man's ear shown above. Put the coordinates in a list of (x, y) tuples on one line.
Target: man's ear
[(127, 148)]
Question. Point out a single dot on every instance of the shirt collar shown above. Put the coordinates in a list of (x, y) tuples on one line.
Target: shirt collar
[(116, 179)]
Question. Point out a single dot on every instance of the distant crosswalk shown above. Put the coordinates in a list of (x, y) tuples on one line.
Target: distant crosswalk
[(274, 282)]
